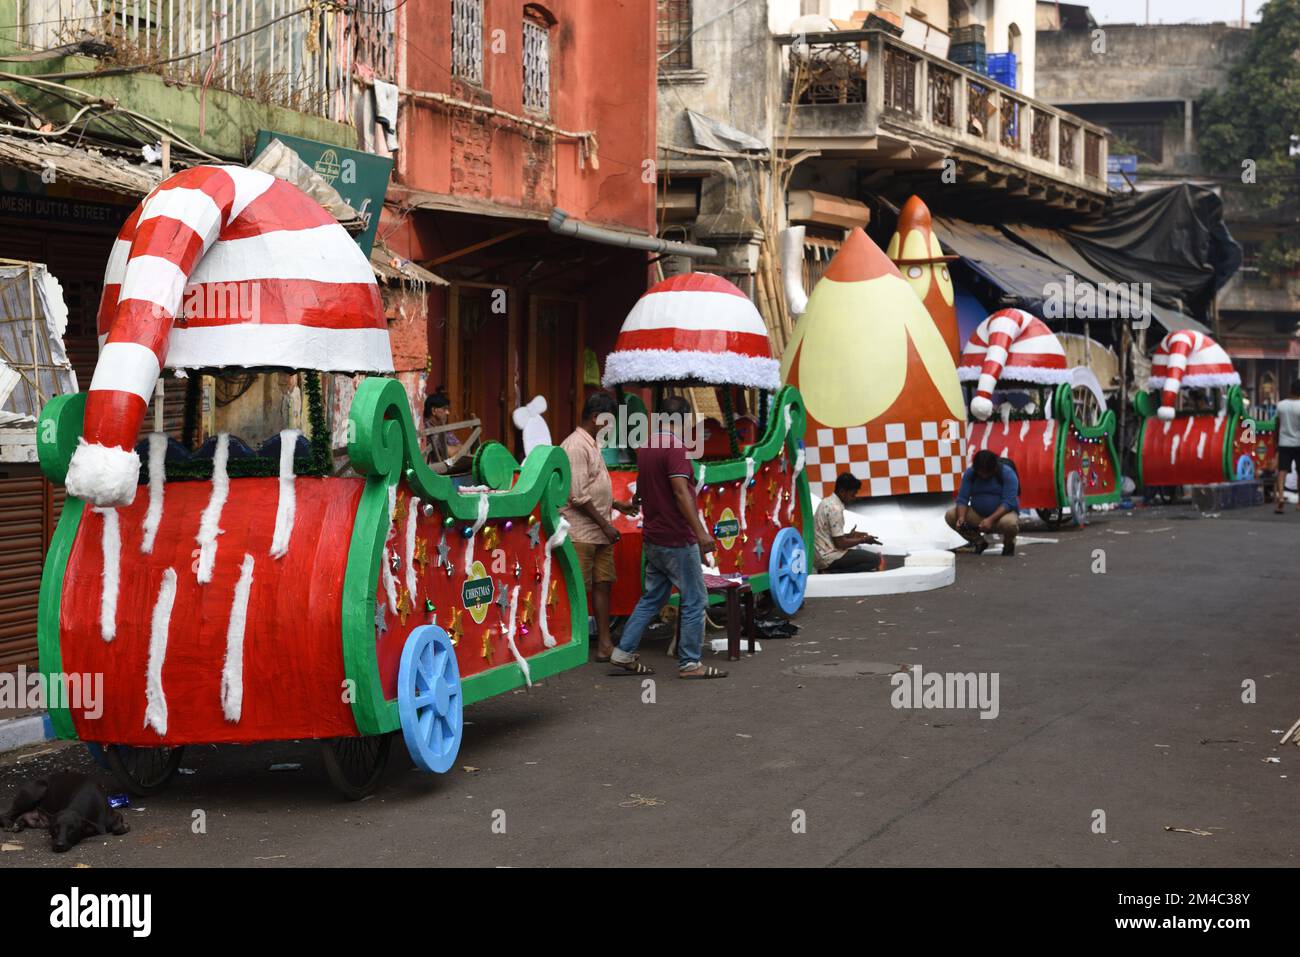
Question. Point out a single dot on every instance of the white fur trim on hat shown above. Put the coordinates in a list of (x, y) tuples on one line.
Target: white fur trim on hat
[(715, 368), (103, 475), (1012, 374), (981, 408), (1214, 380)]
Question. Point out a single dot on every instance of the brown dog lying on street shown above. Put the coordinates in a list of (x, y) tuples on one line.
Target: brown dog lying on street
[(69, 805)]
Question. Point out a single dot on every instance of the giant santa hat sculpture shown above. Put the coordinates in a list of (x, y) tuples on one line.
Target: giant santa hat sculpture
[(219, 266), (916, 252), (878, 381), (1010, 344), (1188, 358), (694, 327)]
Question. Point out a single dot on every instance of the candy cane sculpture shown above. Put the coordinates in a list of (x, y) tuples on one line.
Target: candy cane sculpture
[(1188, 358), (219, 266), (1014, 342)]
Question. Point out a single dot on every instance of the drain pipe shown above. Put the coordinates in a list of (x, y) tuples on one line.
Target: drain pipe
[(561, 224)]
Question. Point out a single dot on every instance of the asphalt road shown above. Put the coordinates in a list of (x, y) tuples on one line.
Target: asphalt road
[(1118, 692)]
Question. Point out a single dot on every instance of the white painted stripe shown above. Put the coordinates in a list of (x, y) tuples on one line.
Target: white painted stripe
[(117, 259), (126, 367), (287, 506), (412, 511), (155, 707), (153, 279), (288, 346), (322, 254), (996, 354), (552, 543), (157, 488), (111, 547), (193, 207), (249, 185), (209, 528), (232, 670), (695, 309)]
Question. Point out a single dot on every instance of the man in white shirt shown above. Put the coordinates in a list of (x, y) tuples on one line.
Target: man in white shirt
[(1288, 443), (834, 549)]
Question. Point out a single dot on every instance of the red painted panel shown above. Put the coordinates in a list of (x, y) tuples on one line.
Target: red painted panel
[(1186, 451), (1093, 460), (511, 561), (1262, 448), (1031, 444), (720, 504), (293, 662)]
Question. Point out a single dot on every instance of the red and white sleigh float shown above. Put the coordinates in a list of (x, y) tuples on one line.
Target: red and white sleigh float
[(1061, 437), (1202, 438), (231, 599)]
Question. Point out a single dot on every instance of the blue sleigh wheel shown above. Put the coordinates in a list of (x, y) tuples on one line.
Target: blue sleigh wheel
[(787, 571), (429, 700)]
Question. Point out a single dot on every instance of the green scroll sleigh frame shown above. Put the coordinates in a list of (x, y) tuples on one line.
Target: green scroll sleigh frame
[(384, 449), (1147, 402), (1063, 409)]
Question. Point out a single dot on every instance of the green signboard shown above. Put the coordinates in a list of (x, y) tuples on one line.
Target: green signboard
[(360, 178)]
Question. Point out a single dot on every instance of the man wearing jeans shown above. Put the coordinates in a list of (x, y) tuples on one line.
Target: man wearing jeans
[(674, 541)]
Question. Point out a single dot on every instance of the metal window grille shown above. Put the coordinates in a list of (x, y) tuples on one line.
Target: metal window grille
[(674, 34), (467, 40), (537, 67)]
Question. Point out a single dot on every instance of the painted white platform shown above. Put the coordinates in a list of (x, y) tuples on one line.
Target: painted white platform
[(904, 525), (923, 570)]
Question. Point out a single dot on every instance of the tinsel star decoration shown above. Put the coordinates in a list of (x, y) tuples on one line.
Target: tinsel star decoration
[(502, 599), (758, 550), (381, 618), (534, 531), (403, 603), (740, 558), (421, 557), (487, 644), (526, 615), (394, 561), (454, 627), (444, 550), (550, 595), (773, 490), (400, 509), (491, 538)]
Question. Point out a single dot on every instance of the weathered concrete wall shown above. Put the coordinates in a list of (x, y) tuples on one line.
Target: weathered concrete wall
[(1162, 62), (735, 78)]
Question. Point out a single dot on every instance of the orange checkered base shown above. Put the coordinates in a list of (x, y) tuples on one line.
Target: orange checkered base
[(892, 458)]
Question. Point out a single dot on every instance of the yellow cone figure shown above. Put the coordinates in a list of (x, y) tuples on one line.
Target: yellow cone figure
[(878, 380)]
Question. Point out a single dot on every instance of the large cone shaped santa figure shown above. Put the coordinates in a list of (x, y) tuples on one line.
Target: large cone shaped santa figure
[(878, 380), (915, 250), (219, 266), (1192, 359)]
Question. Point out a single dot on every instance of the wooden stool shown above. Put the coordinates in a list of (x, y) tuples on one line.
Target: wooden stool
[(738, 596)]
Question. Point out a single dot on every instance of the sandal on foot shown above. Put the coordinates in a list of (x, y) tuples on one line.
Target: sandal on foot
[(631, 668), (701, 673)]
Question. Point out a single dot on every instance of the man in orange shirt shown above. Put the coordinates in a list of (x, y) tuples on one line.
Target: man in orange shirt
[(591, 496)]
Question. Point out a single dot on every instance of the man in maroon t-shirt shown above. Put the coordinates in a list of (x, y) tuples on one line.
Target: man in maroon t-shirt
[(674, 541)]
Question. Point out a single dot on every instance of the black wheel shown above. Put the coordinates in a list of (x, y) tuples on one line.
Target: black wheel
[(143, 771), (1051, 516), (355, 765)]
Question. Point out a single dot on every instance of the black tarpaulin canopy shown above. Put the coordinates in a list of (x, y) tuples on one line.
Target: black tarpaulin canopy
[(1032, 263)]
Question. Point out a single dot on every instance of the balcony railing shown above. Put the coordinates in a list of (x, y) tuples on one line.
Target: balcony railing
[(851, 83), (288, 53)]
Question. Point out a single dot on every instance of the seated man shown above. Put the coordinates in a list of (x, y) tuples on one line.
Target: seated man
[(833, 548), (988, 501)]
